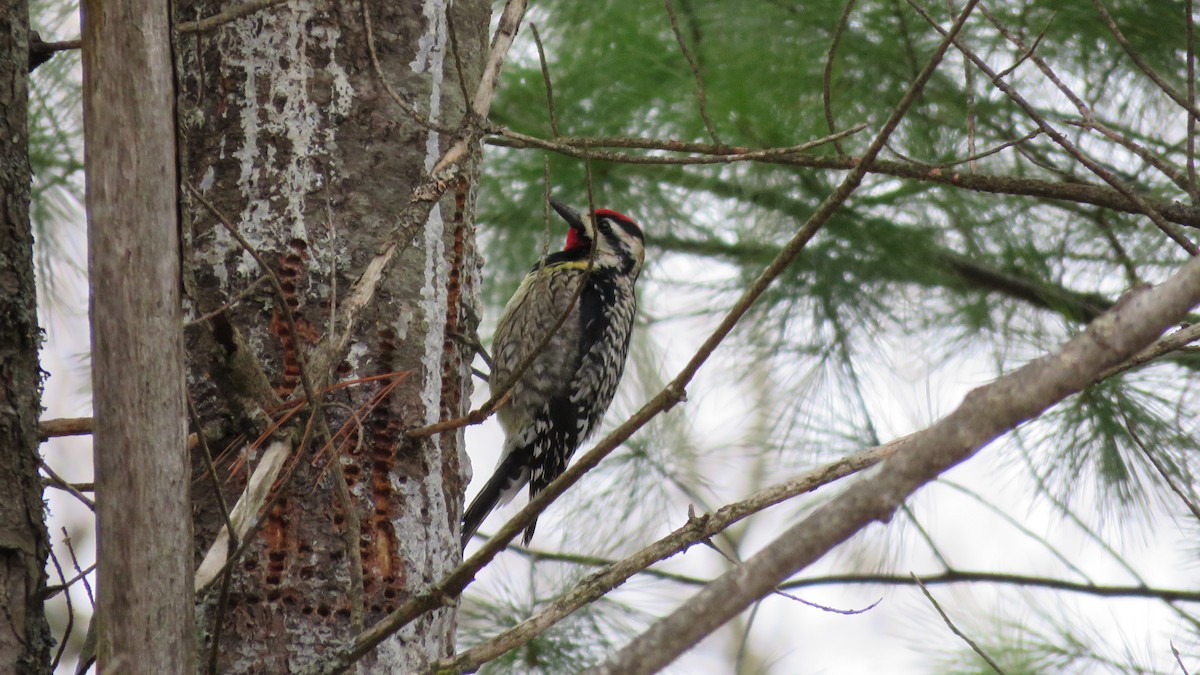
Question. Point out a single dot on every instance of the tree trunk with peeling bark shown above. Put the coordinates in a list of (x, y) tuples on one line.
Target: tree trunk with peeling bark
[(24, 635), (144, 605), (288, 133)]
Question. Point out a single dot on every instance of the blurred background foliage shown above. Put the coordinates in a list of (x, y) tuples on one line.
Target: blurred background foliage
[(914, 293)]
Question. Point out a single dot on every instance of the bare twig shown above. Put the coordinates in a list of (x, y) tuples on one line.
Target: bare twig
[(1190, 30), (211, 469), (66, 637), (537, 39), (972, 159), (1078, 192), (1168, 228), (62, 484), (827, 75), (214, 651), (1093, 124), (1162, 470), (352, 534), (1173, 342), (980, 577), (715, 154), (459, 69), (701, 99), (407, 107), (481, 105), (1027, 52), (66, 426), (218, 20), (695, 530), (954, 576), (969, 89), (946, 618), (223, 602), (1088, 119), (245, 293), (41, 51), (1178, 659), (251, 509), (80, 575), (1030, 53), (1184, 101)]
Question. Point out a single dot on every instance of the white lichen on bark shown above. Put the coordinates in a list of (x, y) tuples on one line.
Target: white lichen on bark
[(277, 67)]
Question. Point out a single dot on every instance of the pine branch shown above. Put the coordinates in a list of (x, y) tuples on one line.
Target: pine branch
[(983, 416), (1078, 192)]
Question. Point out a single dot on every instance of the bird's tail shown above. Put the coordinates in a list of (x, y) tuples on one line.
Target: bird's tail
[(507, 480)]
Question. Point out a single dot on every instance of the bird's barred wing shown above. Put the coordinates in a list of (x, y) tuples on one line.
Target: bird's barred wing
[(542, 297)]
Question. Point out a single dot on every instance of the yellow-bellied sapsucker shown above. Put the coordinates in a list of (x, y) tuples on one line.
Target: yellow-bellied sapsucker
[(563, 394)]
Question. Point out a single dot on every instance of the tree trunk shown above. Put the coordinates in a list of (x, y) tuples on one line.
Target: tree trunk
[(290, 136), (144, 603), (24, 635)]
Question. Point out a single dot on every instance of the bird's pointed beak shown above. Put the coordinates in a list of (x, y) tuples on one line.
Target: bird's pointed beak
[(568, 214)]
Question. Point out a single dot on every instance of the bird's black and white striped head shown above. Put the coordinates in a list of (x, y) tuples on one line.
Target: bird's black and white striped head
[(619, 241)]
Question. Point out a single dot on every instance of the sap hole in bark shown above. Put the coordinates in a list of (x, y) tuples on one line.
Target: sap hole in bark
[(223, 332), (274, 595)]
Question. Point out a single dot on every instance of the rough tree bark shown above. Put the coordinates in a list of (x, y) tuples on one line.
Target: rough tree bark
[(288, 133), (144, 604), (24, 636)]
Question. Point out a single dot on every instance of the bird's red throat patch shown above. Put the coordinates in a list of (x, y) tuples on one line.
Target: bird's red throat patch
[(573, 240)]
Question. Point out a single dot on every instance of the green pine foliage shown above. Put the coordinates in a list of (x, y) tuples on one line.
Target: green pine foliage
[(962, 281)]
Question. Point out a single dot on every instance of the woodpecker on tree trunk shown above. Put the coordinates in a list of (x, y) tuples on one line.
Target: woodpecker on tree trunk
[(559, 400)]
